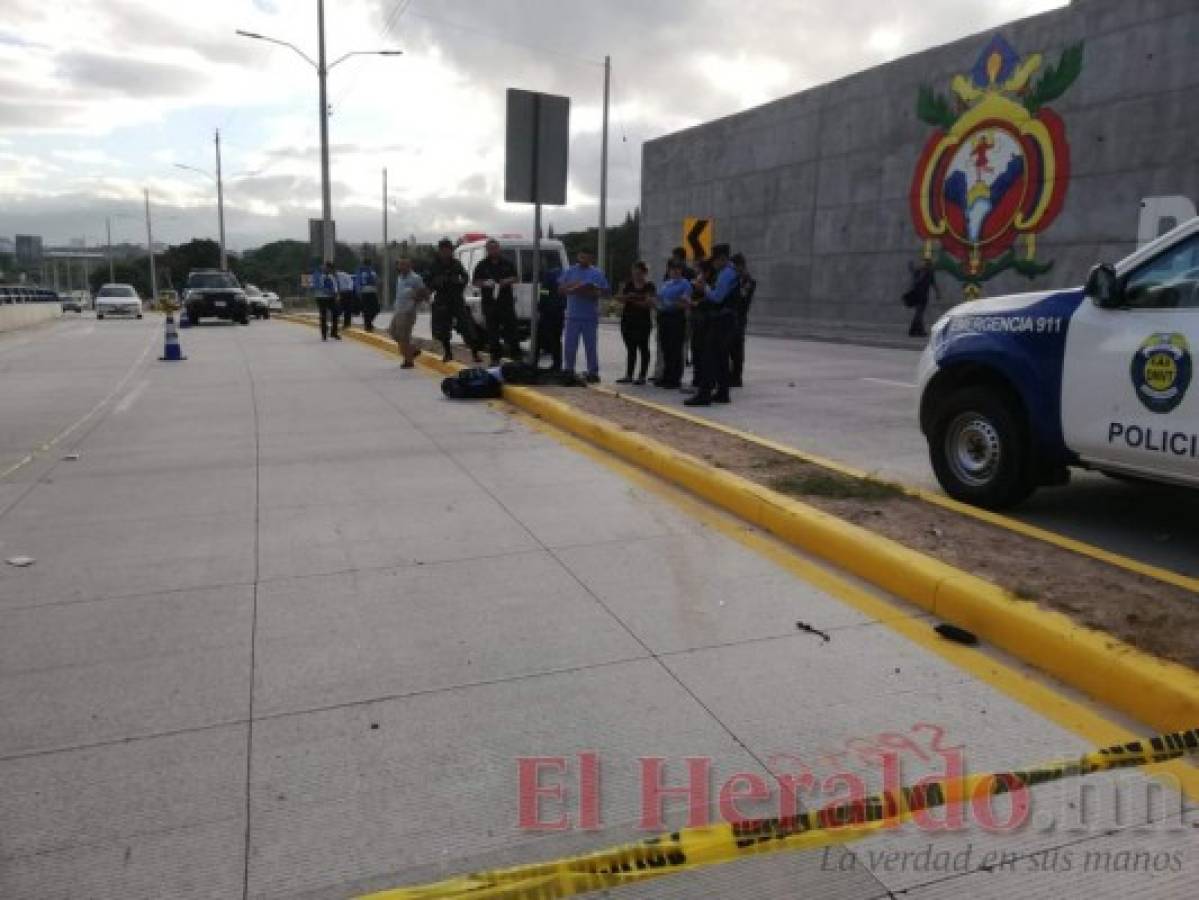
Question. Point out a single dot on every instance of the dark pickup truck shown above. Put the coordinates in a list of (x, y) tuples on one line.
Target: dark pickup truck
[(213, 294)]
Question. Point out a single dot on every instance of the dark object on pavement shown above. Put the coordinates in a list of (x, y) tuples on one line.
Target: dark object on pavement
[(957, 635), (804, 626), (472, 384), (524, 374)]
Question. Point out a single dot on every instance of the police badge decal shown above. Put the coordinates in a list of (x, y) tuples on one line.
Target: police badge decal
[(1161, 372)]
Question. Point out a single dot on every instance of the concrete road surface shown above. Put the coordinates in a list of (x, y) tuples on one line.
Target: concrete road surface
[(857, 405), (294, 618)]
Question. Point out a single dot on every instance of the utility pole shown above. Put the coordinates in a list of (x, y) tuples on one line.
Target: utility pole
[(602, 244), (386, 248), (322, 73), (220, 202), (108, 249), (150, 245)]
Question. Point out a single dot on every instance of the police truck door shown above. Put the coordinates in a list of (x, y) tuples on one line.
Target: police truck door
[(1128, 397)]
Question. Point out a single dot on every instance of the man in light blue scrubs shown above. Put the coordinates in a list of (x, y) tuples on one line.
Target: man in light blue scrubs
[(583, 285)]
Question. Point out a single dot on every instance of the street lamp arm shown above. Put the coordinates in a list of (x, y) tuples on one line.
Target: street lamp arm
[(270, 40), (346, 56), (194, 169)]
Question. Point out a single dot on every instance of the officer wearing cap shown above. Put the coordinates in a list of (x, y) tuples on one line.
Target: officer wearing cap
[(716, 303), (447, 279)]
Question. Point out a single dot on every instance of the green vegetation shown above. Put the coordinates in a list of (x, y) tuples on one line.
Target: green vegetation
[(273, 267), (836, 487), (623, 243)]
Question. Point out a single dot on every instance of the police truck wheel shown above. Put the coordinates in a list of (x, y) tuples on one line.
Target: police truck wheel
[(979, 448)]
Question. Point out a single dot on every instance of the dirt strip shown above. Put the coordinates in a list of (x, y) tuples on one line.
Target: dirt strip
[(1158, 618)]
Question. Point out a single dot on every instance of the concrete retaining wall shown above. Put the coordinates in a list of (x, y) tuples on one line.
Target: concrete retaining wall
[(817, 188), (23, 315)]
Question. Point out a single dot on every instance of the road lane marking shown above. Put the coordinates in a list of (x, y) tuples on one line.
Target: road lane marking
[(74, 426), (132, 397), (890, 383)]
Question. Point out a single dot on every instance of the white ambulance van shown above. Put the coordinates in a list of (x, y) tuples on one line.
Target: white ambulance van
[(518, 251)]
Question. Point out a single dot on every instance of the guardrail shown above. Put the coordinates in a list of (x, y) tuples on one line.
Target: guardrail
[(10, 294)]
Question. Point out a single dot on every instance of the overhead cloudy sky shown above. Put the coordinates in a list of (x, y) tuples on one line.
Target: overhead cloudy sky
[(102, 98)]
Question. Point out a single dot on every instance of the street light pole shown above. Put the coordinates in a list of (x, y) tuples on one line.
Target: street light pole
[(386, 248), (150, 245), (220, 202), (108, 249), (322, 74), (602, 243)]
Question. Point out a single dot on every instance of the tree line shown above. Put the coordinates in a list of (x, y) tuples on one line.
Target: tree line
[(279, 265)]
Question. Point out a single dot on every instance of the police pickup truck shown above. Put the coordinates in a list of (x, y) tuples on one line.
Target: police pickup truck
[(1016, 390)]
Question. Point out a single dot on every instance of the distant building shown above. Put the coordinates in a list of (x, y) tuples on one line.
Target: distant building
[(7, 247), (29, 250)]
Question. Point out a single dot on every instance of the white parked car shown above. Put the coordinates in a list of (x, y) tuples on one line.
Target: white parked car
[(118, 300), (273, 303), (260, 307), (519, 252), (1016, 390)]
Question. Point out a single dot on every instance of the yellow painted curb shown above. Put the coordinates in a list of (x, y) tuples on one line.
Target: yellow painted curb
[(1163, 695), (983, 515)]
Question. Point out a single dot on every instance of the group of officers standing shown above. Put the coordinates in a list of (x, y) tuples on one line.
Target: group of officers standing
[(700, 311)]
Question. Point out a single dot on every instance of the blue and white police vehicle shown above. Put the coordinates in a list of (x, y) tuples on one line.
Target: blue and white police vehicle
[(1014, 391)]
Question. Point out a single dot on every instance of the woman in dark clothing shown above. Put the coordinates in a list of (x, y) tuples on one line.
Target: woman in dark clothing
[(637, 322)]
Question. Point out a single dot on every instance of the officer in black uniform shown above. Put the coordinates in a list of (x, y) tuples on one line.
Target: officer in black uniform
[(495, 276), (551, 318), (447, 279)]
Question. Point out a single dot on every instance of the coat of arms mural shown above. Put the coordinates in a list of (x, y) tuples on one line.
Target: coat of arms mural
[(996, 171)]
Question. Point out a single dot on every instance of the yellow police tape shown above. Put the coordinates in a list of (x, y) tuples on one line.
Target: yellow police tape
[(693, 848)]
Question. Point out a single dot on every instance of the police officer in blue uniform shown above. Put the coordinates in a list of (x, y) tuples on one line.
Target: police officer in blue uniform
[(366, 289), (674, 296), (715, 303), (324, 289)]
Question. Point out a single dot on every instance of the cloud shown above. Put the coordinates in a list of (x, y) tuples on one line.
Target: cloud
[(96, 72), (97, 81), (87, 157)]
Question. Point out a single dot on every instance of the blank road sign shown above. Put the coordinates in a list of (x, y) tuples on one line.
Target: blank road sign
[(538, 148)]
